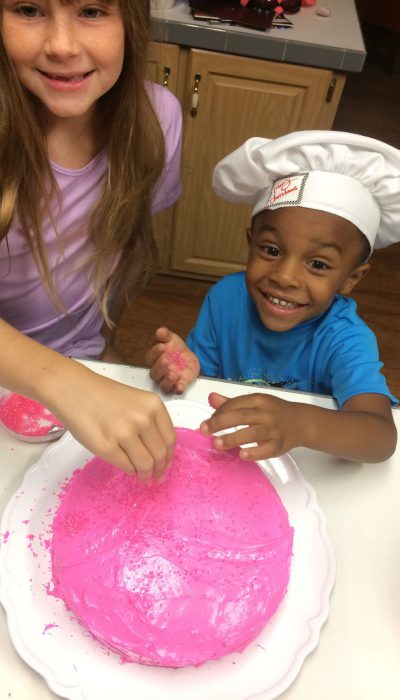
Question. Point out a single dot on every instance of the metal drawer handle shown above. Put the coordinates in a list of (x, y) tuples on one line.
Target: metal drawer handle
[(195, 95), (167, 73)]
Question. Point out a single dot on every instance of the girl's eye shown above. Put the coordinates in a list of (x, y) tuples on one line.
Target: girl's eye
[(28, 11), (319, 265), (92, 12)]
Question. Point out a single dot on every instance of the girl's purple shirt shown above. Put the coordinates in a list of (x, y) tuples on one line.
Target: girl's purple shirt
[(24, 302)]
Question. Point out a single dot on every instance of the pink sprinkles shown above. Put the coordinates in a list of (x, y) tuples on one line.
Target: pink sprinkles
[(5, 536), (26, 417), (177, 359)]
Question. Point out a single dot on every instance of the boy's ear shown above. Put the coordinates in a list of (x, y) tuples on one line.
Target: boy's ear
[(249, 241), (354, 278)]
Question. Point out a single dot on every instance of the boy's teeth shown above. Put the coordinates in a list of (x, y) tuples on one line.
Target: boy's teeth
[(281, 302)]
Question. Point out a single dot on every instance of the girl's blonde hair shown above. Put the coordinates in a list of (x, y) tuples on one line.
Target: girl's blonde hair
[(120, 224)]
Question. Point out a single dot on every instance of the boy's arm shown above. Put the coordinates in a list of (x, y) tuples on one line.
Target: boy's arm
[(364, 431), (172, 365)]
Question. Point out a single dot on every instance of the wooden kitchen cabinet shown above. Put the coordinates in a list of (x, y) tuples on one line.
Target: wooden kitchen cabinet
[(163, 68), (163, 65), (238, 97)]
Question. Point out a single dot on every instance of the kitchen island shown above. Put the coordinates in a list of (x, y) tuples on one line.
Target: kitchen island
[(357, 655)]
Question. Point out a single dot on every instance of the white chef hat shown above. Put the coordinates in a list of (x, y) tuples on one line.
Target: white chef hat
[(353, 176)]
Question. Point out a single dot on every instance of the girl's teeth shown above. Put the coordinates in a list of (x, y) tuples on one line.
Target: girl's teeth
[(73, 79)]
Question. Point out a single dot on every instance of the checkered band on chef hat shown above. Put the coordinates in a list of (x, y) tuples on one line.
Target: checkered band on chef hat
[(352, 176)]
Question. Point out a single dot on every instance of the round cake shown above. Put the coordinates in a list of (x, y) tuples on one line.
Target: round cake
[(173, 572)]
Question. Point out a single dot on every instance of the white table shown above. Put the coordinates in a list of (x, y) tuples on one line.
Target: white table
[(358, 655)]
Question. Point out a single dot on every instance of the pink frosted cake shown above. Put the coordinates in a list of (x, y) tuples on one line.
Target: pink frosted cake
[(178, 572)]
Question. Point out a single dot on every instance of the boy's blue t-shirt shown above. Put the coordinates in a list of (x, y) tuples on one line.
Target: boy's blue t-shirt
[(335, 353)]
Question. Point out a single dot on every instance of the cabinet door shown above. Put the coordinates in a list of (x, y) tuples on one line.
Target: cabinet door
[(163, 65), (163, 68), (237, 98)]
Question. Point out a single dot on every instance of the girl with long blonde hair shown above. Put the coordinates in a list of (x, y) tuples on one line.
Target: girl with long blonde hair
[(88, 152)]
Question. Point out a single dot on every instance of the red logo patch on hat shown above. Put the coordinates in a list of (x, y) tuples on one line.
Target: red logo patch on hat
[(287, 191)]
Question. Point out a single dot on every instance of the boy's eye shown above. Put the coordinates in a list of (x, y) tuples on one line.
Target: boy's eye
[(319, 265), (271, 250)]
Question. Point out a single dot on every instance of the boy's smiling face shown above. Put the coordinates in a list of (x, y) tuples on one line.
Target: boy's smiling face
[(298, 260)]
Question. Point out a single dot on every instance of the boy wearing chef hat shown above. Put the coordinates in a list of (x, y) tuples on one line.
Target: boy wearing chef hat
[(322, 201)]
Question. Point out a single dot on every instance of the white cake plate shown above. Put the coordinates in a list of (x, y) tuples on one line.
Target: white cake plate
[(77, 667)]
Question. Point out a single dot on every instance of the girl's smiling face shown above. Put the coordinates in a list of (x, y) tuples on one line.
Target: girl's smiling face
[(298, 260), (67, 54)]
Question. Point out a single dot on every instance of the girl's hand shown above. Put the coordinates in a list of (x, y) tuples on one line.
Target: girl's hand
[(128, 427), (270, 422), (172, 365)]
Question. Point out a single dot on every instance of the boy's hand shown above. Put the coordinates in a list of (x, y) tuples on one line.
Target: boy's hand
[(270, 422), (363, 431), (172, 365)]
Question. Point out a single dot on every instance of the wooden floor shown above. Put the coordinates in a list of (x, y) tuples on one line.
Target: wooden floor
[(370, 106)]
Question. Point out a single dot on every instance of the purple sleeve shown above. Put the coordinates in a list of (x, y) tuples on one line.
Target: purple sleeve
[(168, 109)]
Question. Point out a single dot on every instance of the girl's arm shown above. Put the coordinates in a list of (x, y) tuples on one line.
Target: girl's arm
[(364, 431), (128, 427)]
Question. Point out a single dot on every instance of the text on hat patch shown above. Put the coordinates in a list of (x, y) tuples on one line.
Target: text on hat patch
[(287, 191)]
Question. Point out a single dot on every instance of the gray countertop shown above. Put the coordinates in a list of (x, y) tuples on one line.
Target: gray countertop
[(334, 42)]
